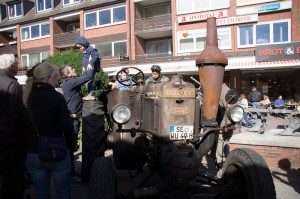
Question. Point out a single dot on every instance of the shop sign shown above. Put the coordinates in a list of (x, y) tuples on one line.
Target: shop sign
[(201, 16), (247, 2), (264, 8), (237, 20), (277, 52)]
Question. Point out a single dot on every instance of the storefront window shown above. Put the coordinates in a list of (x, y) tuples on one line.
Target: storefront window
[(271, 83)]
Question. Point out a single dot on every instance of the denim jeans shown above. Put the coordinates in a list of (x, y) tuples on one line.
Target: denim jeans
[(41, 173), (76, 124), (90, 85), (246, 118), (255, 105)]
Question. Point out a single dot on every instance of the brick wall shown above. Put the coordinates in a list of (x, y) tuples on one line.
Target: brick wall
[(295, 20), (276, 157)]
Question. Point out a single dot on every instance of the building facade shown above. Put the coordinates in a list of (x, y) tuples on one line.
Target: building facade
[(261, 38)]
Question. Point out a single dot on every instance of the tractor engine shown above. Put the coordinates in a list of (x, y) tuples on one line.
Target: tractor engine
[(169, 109)]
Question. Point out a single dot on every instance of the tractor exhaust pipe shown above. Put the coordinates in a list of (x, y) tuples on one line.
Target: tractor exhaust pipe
[(211, 66)]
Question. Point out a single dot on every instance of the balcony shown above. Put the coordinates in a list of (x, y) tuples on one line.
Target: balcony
[(154, 27), (9, 48), (64, 40), (107, 62)]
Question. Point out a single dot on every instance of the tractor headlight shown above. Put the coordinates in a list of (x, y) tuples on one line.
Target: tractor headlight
[(235, 113), (121, 114)]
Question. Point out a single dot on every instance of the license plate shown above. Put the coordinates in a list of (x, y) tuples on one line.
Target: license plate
[(181, 132)]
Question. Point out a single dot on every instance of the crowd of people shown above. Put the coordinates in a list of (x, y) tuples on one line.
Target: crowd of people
[(39, 110), (257, 100)]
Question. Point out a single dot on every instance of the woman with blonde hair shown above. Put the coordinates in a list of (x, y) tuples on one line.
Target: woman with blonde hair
[(265, 102), (49, 117)]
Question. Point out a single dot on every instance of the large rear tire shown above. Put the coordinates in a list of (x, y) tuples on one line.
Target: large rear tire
[(247, 175), (103, 179), (93, 136)]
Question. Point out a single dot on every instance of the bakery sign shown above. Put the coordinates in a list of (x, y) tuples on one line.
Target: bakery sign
[(201, 16), (277, 52)]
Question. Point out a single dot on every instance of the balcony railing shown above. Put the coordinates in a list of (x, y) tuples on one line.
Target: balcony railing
[(8, 49), (67, 39), (143, 59), (153, 23)]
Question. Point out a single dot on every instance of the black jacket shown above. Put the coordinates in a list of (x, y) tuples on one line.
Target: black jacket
[(254, 96), (71, 88), (12, 111), (50, 114)]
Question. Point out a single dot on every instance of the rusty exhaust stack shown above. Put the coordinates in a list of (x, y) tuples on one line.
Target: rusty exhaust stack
[(211, 66)]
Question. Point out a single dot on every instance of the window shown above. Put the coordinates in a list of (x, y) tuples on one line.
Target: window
[(15, 10), (70, 2), (195, 40), (33, 59), (25, 33), (119, 14), (120, 48), (35, 31), (264, 33), (246, 35), (157, 10), (112, 49), (159, 47), (43, 5), (185, 6), (90, 20), (279, 32), (45, 29), (73, 27), (186, 44), (105, 17)]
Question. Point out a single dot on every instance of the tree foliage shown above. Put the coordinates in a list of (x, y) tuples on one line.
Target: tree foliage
[(74, 59)]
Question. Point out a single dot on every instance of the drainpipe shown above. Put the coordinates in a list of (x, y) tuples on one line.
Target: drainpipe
[(211, 66)]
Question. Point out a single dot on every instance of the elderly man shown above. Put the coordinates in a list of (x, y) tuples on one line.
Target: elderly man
[(12, 130)]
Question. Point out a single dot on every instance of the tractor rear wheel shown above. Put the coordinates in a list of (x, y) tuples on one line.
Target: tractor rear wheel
[(93, 136)]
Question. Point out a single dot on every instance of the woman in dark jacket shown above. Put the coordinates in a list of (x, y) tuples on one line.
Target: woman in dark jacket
[(51, 117)]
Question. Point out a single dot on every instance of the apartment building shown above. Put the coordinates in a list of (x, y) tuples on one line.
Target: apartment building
[(261, 38)]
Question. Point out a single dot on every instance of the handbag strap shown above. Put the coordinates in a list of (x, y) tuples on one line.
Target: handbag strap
[(31, 118)]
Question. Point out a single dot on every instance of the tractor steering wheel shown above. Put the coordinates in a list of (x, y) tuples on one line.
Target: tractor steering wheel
[(132, 77)]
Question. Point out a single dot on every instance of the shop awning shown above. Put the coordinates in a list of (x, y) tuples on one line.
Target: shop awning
[(190, 67), (269, 64)]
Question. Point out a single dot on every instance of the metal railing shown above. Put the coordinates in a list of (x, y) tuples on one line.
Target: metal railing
[(65, 39), (160, 22)]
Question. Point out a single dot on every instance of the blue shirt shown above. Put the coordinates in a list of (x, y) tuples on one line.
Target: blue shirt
[(279, 102), (127, 82)]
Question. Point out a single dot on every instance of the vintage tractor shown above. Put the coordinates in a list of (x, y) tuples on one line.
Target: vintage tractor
[(167, 128)]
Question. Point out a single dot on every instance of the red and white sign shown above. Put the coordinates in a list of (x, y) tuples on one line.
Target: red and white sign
[(237, 20), (201, 16)]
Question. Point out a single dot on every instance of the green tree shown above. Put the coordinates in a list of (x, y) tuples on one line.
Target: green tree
[(74, 59)]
